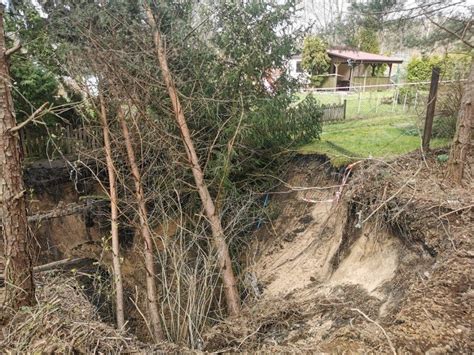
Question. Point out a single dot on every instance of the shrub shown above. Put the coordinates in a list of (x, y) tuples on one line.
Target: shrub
[(453, 67), (275, 124), (444, 127)]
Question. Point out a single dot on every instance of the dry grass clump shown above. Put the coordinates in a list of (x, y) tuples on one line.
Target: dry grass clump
[(64, 321)]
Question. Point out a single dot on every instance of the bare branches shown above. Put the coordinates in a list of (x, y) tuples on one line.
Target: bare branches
[(444, 28), (34, 116)]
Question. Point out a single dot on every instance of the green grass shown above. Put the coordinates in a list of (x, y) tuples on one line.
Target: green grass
[(380, 137)]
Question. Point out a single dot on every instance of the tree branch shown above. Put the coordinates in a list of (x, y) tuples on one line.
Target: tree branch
[(31, 118), (461, 38), (16, 47)]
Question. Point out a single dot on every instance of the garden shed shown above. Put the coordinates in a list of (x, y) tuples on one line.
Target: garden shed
[(350, 68), (353, 68)]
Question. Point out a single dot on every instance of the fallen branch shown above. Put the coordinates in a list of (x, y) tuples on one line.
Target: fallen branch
[(68, 210), (455, 211), (65, 265), (394, 351)]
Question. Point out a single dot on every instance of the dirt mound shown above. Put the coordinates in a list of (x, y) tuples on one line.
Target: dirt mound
[(380, 264)]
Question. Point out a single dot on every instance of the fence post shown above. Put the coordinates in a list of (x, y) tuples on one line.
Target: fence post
[(430, 110), (358, 105), (416, 99), (395, 99), (345, 108)]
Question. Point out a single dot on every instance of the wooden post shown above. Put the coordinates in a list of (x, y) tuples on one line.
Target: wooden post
[(430, 110), (350, 77), (365, 78), (345, 108)]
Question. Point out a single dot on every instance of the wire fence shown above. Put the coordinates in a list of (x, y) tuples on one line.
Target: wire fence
[(386, 121), (383, 100)]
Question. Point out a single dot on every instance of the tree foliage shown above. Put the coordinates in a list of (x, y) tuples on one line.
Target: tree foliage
[(35, 72), (453, 67), (366, 40), (315, 58)]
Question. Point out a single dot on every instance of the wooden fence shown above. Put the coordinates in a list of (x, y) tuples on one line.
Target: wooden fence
[(334, 112), (57, 141)]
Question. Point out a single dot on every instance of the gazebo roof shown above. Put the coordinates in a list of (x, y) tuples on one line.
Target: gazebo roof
[(361, 57)]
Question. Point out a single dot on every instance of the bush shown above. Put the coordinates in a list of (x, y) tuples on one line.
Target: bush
[(444, 127), (275, 125), (453, 67)]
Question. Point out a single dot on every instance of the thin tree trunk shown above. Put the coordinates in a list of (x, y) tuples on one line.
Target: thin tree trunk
[(114, 217), (145, 231), (19, 268), (462, 142), (230, 288)]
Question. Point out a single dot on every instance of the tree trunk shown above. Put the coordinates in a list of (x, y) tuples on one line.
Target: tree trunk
[(462, 142), (230, 288), (18, 267), (145, 231), (114, 217)]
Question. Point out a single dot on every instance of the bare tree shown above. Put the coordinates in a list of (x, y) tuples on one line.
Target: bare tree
[(145, 231), (228, 278), (114, 216), (17, 238), (462, 142)]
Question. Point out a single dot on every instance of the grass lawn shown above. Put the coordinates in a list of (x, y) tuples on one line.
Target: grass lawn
[(381, 137)]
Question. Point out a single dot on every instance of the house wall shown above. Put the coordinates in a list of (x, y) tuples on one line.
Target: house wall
[(296, 72), (294, 68)]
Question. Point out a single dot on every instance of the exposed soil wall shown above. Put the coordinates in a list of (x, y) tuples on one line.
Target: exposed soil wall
[(52, 187), (385, 269)]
